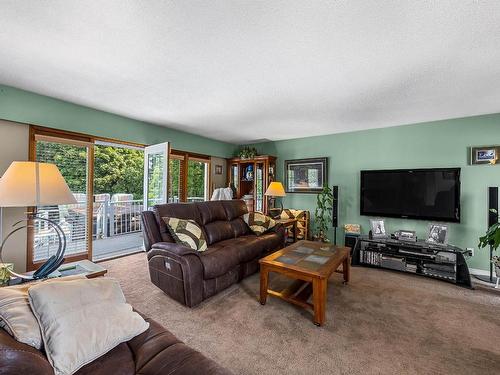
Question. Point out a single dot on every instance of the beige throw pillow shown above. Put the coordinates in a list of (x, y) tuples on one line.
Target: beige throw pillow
[(81, 320), (16, 316)]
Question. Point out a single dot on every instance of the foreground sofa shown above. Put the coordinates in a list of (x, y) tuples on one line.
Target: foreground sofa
[(233, 251), (156, 351)]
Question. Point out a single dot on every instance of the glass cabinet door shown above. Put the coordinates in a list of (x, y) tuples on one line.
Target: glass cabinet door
[(259, 187), (234, 178)]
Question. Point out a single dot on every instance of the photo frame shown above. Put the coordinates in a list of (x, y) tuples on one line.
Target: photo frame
[(378, 228), (484, 155), (218, 169), (437, 234), (306, 175)]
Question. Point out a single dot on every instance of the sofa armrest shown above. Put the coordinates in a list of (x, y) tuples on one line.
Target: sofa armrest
[(150, 229), (19, 358), (169, 249)]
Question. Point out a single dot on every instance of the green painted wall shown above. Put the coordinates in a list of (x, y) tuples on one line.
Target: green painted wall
[(434, 144), (27, 107)]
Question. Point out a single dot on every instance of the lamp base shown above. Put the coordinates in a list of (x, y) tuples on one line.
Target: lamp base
[(53, 262)]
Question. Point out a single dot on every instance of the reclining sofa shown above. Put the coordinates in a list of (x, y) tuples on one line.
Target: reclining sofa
[(233, 253)]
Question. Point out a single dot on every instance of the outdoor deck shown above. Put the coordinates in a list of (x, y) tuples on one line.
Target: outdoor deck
[(111, 247)]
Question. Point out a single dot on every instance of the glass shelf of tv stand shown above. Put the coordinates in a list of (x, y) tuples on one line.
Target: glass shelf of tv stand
[(422, 246)]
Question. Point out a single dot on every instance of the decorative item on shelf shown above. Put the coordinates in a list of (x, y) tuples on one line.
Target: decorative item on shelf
[(247, 152), (352, 229), (5, 270), (306, 175), (484, 155), (249, 173), (33, 184), (406, 235), (496, 262), (323, 214), (275, 189), (437, 234), (378, 228)]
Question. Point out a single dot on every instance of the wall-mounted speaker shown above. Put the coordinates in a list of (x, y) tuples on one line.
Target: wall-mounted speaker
[(335, 207), (492, 204)]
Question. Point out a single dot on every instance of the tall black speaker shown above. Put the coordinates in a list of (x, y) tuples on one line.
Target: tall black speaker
[(492, 219), (335, 212), (335, 207), (492, 205)]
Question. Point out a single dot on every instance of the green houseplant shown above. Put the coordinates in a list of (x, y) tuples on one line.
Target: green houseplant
[(323, 214), (492, 238)]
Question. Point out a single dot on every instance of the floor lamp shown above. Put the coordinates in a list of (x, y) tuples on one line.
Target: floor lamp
[(34, 184)]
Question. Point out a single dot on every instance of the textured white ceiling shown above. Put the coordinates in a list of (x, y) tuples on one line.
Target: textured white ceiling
[(240, 70)]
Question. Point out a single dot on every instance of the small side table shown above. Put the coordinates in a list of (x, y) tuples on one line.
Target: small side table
[(85, 267), (290, 223)]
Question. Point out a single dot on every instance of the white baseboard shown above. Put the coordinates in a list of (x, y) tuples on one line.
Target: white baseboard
[(475, 271)]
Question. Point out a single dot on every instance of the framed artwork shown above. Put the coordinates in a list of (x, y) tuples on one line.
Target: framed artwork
[(378, 228), (218, 169), (437, 234), (484, 154), (306, 175)]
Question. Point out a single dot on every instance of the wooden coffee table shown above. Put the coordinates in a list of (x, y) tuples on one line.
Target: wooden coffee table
[(310, 264)]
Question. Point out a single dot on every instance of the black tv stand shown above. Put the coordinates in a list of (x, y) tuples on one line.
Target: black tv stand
[(421, 258)]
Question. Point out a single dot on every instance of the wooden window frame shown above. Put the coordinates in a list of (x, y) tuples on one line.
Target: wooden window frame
[(35, 130)]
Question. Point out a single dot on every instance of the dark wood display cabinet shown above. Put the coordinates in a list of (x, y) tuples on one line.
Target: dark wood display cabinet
[(250, 178)]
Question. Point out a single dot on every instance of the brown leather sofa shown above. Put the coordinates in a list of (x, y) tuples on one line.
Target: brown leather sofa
[(233, 250), (156, 351)]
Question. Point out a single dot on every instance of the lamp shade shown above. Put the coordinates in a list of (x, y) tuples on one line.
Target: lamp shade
[(27, 183), (275, 189)]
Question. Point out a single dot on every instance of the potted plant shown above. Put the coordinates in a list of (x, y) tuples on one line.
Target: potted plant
[(323, 214), (492, 238), (247, 152)]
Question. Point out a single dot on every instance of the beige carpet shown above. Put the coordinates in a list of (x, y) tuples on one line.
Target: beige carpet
[(383, 322)]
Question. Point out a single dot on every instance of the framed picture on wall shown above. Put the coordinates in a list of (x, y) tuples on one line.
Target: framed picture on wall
[(218, 169), (484, 155), (306, 175)]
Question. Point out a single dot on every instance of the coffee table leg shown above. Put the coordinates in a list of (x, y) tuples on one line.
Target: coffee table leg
[(319, 300), (264, 281), (346, 269)]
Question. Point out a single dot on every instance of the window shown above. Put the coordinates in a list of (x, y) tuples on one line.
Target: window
[(72, 159), (175, 180), (197, 180), (188, 177)]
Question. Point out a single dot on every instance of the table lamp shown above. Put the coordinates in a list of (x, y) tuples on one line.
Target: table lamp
[(34, 184), (275, 189)]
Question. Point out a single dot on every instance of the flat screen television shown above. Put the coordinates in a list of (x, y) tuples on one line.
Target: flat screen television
[(425, 194)]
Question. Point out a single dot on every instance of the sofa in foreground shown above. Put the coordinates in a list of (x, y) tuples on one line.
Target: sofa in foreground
[(155, 351), (233, 252)]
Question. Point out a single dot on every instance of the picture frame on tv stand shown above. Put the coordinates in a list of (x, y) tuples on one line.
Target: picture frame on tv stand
[(437, 234), (377, 228)]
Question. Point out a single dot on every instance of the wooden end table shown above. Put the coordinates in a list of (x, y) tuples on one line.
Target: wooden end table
[(85, 267), (289, 223), (310, 264)]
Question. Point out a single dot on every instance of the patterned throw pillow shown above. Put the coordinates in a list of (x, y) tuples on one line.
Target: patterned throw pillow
[(258, 222), (187, 233)]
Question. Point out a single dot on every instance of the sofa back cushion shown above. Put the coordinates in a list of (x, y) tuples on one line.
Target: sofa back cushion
[(187, 211), (235, 209), (214, 219)]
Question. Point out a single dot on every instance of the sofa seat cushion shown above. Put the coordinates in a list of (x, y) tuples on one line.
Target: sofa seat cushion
[(271, 241), (247, 247), (217, 260)]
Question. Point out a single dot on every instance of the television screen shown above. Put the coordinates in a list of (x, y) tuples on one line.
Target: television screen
[(426, 194)]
